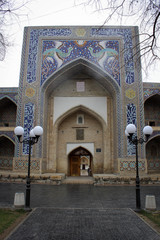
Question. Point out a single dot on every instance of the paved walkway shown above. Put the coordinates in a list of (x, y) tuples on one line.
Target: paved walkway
[(79, 196), (81, 212), (84, 224)]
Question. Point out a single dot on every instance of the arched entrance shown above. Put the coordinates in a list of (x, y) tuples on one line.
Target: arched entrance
[(6, 153), (80, 161), (152, 111), (75, 116), (153, 154)]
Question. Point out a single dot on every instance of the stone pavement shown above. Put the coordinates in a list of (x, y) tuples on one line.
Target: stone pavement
[(78, 195), (83, 224), (81, 212)]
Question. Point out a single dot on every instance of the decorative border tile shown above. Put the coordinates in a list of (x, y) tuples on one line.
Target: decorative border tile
[(28, 123)]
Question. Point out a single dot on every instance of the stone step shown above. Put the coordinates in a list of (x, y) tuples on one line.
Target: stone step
[(78, 180)]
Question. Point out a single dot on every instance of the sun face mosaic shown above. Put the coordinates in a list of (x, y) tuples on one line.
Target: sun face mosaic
[(56, 54)]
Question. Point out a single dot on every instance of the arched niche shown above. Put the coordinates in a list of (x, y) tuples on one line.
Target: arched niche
[(8, 112), (6, 152), (103, 85), (153, 154), (152, 110)]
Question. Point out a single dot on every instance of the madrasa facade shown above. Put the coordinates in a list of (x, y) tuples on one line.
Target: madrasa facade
[(83, 85)]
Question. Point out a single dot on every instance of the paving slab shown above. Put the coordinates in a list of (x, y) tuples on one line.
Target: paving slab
[(78, 195), (83, 224)]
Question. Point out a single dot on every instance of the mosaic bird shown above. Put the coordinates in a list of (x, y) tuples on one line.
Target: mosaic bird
[(109, 51), (52, 51)]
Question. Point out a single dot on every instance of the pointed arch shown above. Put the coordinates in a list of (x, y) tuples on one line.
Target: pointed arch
[(6, 136), (80, 162), (8, 109), (152, 110), (102, 78), (9, 98), (82, 108), (153, 154), (81, 65), (6, 152)]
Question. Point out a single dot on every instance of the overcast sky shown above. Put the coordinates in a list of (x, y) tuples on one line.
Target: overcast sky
[(51, 13)]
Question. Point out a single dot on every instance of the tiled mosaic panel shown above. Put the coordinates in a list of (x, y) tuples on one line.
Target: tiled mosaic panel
[(125, 33), (131, 165), (23, 165), (6, 163), (56, 54), (33, 47), (150, 92), (131, 118), (128, 54), (153, 164), (28, 123)]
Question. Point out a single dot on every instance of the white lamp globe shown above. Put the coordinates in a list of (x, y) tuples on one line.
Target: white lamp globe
[(126, 133), (38, 130), (131, 128), (148, 130), (19, 131), (31, 134)]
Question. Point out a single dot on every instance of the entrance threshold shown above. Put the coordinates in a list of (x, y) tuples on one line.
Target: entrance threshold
[(78, 180)]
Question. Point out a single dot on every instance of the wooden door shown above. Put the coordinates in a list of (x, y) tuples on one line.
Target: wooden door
[(75, 166)]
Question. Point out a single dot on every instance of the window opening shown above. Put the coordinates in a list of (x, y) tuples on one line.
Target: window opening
[(79, 134)]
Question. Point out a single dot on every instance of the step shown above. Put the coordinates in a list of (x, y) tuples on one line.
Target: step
[(78, 180)]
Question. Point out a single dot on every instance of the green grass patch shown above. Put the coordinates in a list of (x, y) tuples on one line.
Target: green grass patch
[(153, 216), (8, 217)]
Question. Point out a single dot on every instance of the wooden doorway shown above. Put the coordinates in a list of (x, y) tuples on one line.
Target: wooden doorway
[(80, 162), (75, 166)]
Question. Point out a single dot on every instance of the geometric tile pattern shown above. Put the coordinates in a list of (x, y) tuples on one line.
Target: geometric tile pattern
[(28, 123), (23, 164), (131, 118), (153, 164), (6, 163), (131, 165), (30, 92), (130, 93)]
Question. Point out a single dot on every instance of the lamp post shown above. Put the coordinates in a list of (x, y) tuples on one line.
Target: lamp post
[(130, 130), (33, 138)]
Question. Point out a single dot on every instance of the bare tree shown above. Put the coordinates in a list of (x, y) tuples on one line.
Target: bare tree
[(10, 12), (145, 13)]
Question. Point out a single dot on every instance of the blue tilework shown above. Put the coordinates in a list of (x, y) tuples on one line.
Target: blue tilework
[(150, 92), (131, 165), (110, 66), (33, 47), (58, 53), (131, 118), (126, 34), (28, 123)]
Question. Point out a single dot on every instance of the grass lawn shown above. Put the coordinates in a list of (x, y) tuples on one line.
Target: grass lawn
[(152, 216), (8, 217)]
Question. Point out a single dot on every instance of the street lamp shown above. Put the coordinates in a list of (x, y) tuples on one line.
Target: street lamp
[(33, 138), (130, 130)]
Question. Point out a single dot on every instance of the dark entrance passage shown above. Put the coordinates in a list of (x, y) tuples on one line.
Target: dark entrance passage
[(80, 162)]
